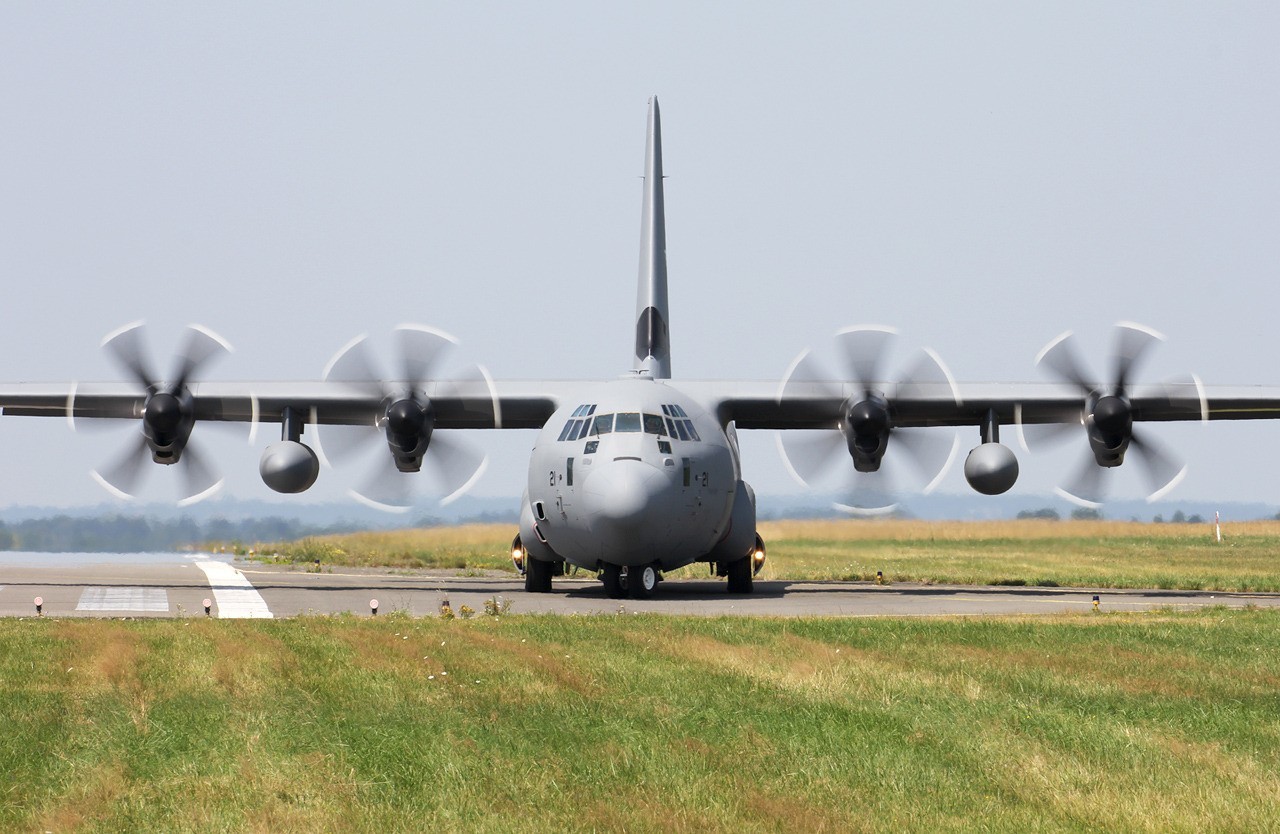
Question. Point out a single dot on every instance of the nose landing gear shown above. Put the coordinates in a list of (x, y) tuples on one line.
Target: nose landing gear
[(636, 582)]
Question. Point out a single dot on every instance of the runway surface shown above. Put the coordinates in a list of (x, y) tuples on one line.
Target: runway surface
[(177, 584)]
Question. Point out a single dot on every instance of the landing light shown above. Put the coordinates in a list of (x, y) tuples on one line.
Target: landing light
[(517, 558)]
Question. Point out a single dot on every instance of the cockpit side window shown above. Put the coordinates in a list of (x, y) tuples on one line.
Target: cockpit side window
[(678, 423), (575, 427), (653, 425)]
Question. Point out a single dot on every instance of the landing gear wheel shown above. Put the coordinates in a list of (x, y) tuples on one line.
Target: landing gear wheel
[(740, 576), (537, 575), (613, 585), (642, 581)]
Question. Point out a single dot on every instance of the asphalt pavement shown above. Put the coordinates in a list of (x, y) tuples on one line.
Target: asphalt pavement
[(180, 584)]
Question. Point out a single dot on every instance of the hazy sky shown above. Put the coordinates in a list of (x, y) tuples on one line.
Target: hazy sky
[(982, 176)]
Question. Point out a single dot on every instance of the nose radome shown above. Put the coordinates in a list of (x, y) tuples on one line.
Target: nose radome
[(619, 493)]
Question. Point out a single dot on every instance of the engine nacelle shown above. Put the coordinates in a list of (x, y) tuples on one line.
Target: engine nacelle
[(408, 424), (167, 420), (866, 431), (991, 468), (1109, 424), (289, 467)]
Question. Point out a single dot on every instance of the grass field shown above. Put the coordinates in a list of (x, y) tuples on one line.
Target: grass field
[(1065, 553), (1157, 722)]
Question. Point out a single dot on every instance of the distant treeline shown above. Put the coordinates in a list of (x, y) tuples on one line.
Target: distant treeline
[(1091, 514), (126, 534)]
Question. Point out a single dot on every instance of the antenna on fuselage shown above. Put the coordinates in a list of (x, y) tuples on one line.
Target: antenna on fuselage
[(653, 345)]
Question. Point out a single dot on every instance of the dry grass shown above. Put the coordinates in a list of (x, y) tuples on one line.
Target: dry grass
[(467, 546), (1030, 552), (1026, 529)]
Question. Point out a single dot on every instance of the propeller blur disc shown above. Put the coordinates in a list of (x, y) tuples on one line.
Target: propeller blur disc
[(423, 359), (166, 404), (1113, 413), (859, 357)]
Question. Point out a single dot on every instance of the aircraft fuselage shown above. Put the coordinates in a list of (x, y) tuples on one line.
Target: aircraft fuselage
[(635, 473)]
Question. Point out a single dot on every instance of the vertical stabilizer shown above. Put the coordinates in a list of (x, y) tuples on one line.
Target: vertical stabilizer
[(653, 345)]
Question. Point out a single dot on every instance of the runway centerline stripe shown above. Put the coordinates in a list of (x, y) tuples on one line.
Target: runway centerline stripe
[(147, 600), (235, 595)]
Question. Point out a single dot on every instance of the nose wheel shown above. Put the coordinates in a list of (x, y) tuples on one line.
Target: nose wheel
[(642, 581), (638, 583), (611, 575)]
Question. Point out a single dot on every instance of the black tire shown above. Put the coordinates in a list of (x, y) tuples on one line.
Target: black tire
[(740, 576), (642, 581), (612, 576), (537, 575)]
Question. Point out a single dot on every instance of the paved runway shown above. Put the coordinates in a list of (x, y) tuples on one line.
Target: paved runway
[(175, 584)]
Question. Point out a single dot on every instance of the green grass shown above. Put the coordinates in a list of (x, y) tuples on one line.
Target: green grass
[(1156, 722), (1063, 553)]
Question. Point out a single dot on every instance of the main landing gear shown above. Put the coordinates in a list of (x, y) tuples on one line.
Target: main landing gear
[(741, 571), (638, 583), (537, 576), (739, 574)]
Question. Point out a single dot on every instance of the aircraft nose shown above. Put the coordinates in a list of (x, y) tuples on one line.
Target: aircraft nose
[(620, 494)]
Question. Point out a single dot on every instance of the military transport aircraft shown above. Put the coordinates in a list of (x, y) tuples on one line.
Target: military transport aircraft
[(638, 475)]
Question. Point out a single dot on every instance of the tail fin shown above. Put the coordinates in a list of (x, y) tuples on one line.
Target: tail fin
[(653, 346)]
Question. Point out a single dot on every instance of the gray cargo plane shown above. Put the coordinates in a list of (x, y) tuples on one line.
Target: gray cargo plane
[(639, 475)]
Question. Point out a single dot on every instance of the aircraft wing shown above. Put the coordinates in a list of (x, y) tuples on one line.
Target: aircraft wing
[(817, 405), (458, 405), (406, 415), (527, 404), (864, 421)]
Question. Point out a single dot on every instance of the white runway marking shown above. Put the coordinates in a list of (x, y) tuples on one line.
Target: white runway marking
[(234, 594), (148, 600)]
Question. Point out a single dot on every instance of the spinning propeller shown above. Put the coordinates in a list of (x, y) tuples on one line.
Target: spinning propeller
[(168, 413), (864, 428), (403, 417), (1107, 414)]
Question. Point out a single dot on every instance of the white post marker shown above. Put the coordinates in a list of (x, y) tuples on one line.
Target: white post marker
[(1217, 527)]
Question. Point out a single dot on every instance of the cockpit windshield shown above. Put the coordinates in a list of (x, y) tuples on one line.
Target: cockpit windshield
[(585, 424), (628, 421), (603, 424)]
